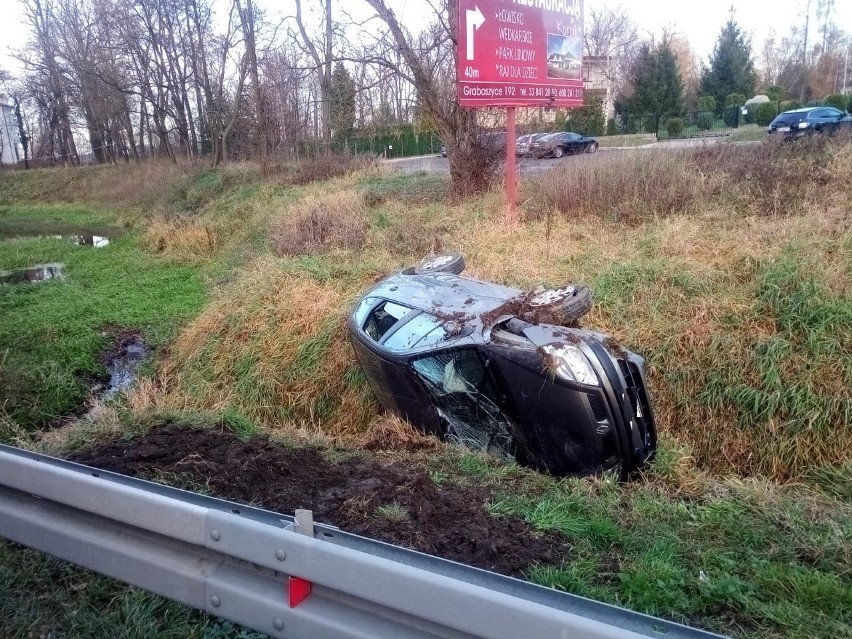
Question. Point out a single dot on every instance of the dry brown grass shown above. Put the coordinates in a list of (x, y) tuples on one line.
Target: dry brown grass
[(274, 347), (390, 433), (634, 186), (320, 223), (181, 238), (322, 168)]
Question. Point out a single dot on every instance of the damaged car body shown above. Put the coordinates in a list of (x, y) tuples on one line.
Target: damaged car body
[(498, 370)]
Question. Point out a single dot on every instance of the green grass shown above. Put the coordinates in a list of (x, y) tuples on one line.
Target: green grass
[(637, 139), (748, 561), (51, 332), (747, 134), (43, 597)]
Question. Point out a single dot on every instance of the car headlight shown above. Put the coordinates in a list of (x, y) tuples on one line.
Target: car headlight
[(804, 125), (569, 363)]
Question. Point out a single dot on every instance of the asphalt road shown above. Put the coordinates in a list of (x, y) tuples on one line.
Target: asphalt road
[(437, 164)]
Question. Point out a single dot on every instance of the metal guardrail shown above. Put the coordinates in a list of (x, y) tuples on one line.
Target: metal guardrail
[(280, 575)]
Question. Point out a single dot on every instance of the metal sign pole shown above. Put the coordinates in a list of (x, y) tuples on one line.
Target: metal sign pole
[(511, 170)]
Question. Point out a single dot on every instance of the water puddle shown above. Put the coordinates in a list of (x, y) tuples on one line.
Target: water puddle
[(122, 360), (33, 275), (96, 237)]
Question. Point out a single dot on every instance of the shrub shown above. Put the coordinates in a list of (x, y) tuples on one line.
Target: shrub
[(322, 223), (763, 114), (775, 93), (838, 101), (789, 105), (734, 99), (707, 103), (610, 127), (674, 127), (705, 121), (322, 167), (635, 124)]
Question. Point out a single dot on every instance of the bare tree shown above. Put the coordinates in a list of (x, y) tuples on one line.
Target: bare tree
[(611, 33), (428, 63), (247, 20)]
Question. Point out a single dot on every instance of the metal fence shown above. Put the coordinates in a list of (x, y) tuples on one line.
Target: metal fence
[(692, 124), (283, 576)]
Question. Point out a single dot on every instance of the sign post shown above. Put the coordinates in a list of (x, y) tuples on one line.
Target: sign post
[(516, 53)]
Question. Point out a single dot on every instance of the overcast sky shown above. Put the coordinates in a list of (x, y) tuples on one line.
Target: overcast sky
[(698, 21)]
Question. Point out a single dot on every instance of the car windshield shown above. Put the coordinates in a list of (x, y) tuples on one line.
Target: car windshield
[(790, 117), (419, 331)]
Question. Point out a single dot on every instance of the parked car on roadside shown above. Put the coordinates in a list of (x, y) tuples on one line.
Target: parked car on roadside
[(503, 371), (810, 120), (524, 142), (558, 144)]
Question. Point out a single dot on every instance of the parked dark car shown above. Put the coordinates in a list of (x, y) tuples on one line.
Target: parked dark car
[(499, 370), (810, 120), (558, 144), (489, 141), (524, 142)]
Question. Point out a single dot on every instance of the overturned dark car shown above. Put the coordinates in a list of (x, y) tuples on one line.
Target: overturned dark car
[(499, 370)]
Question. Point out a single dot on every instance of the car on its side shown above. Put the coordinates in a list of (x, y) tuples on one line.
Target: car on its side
[(556, 145), (524, 142), (503, 371), (809, 120)]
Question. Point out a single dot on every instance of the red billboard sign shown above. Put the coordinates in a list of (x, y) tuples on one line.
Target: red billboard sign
[(520, 52)]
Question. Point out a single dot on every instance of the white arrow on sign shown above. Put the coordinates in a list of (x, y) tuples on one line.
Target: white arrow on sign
[(474, 19)]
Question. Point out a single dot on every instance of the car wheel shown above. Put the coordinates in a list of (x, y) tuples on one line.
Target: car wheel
[(558, 152), (572, 301), (444, 263), (592, 148)]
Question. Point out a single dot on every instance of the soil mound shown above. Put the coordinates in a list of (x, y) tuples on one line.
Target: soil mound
[(392, 502)]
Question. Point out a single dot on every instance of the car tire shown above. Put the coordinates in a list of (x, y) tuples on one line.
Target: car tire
[(572, 301), (558, 152), (443, 263), (592, 148)]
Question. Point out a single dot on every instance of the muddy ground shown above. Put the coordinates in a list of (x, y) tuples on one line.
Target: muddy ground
[(391, 502)]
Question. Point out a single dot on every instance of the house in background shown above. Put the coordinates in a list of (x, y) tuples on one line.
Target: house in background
[(598, 81), (10, 152)]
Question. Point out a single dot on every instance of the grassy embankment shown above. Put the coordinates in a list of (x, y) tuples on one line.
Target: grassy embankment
[(729, 268)]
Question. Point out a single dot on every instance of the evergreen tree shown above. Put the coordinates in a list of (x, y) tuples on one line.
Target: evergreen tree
[(342, 96), (656, 82), (731, 67)]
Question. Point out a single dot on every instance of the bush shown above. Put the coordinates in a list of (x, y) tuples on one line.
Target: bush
[(731, 116), (635, 124), (838, 101), (735, 99), (321, 223), (789, 105), (763, 114), (707, 103), (775, 93), (705, 121), (674, 127), (610, 127)]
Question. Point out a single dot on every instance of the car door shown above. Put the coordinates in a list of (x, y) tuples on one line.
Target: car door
[(470, 399), (824, 119)]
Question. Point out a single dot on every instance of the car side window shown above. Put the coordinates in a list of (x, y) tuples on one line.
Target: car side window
[(382, 318)]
